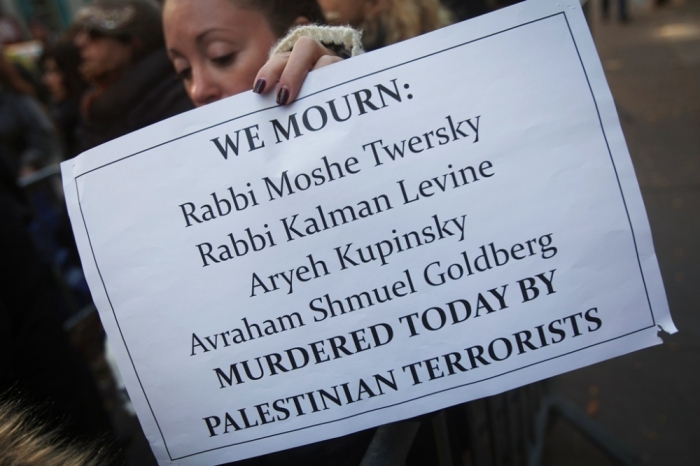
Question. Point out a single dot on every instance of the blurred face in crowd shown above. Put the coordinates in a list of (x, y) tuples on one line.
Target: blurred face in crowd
[(53, 80), (217, 50), (352, 12), (39, 32), (102, 55)]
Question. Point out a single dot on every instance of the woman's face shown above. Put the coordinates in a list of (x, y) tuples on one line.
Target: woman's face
[(53, 80), (101, 55), (217, 50)]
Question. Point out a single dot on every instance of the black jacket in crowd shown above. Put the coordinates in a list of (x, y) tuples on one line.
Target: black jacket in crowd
[(38, 366), (27, 135), (148, 93)]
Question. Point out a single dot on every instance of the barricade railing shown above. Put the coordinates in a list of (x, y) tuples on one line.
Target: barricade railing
[(52, 237), (509, 429)]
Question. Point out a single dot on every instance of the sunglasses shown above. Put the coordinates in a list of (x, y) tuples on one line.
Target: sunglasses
[(96, 34)]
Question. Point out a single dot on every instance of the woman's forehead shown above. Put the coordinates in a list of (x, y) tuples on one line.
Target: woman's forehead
[(188, 18)]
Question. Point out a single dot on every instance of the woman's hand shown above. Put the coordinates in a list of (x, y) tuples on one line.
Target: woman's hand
[(289, 69)]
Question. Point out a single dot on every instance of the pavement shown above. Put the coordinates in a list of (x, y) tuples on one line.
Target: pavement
[(650, 400)]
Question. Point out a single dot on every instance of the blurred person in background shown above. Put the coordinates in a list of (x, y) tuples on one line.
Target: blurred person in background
[(27, 136), (386, 22), (465, 9), (37, 363), (10, 31), (132, 83), (61, 63), (53, 233), (622, 15), (40, 32)]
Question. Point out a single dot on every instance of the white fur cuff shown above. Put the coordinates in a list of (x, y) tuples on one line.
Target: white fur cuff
[(343, 36)]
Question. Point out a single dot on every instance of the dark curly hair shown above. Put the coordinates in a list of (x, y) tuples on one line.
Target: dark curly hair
[(282, 13), (67, 58)]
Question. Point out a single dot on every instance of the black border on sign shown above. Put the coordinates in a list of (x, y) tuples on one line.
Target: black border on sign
[(323, 90)]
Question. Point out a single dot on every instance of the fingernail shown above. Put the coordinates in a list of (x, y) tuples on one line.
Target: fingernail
[(283, 96), (259, 86)]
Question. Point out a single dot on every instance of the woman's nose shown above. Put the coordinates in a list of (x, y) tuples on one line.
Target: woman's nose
[(204, 88)]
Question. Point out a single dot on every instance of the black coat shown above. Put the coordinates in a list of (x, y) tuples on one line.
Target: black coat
[(148, 93), (37, 364), (27, 135)]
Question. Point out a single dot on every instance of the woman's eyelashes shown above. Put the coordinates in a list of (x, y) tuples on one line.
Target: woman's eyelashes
[(185, 74), (224, 60)]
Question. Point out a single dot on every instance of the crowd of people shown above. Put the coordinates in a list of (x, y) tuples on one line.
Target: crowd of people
[(121, 66)]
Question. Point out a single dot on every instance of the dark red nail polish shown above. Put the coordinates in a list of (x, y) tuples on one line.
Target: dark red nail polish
[(259, 86), (283, 96)]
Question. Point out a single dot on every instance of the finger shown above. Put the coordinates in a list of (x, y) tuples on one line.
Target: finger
[(303, 59), (326, 60), (270, 73)]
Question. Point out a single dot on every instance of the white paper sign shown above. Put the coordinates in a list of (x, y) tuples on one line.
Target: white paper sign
[(435, 222)]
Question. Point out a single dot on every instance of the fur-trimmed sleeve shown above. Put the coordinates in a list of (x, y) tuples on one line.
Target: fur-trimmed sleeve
[(343, 40)]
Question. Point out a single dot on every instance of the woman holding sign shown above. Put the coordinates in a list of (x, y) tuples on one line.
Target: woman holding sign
[(222, 50)]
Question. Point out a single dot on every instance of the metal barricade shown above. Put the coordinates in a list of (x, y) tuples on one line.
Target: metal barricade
[(508, 429), (52, 236)]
